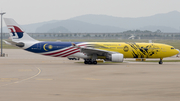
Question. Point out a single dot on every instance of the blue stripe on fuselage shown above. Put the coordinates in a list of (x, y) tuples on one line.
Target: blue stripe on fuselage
[(43, 47)]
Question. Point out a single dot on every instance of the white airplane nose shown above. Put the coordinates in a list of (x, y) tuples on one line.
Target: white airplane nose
[(178, 50), (178, 53)]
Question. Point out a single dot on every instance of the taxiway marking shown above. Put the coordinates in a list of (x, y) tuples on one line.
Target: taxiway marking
[(25, 70), (44, 79), (92, 79), (7, 79), (23, 79)]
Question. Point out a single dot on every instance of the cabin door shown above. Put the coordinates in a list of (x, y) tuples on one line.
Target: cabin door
[(39, 46)]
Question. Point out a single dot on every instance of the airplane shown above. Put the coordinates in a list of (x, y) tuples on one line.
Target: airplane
[(89, 51)]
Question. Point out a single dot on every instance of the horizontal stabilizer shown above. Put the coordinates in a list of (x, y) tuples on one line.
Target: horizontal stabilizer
[(10, 42), (20, 44)]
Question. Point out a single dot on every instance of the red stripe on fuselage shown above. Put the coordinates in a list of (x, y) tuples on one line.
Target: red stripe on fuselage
[(66, 52), (58, 51), (71, 54), (61, 51)]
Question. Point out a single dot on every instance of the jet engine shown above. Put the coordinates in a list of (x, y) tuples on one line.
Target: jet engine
[(116, 57)]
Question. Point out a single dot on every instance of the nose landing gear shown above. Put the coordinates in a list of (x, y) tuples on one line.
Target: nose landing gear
[(160, 62)]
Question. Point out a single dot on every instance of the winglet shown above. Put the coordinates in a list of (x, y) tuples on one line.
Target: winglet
[(75, 46)]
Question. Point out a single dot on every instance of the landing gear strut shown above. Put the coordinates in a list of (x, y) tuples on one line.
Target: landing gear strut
[(92, 60), (160, 62)]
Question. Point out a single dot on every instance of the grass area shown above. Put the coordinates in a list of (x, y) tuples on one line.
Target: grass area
[(174, 43), (5, 46)]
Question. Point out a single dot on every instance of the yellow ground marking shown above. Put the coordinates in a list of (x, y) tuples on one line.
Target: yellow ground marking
[(43, 79), (7, 79), (39, 71), (30, 77), (91, 79), (25, 70)]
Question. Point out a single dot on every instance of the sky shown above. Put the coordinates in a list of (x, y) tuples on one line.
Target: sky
[(34, 11)]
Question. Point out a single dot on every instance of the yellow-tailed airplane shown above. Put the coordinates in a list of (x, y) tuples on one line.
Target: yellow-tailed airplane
[(89, 51)]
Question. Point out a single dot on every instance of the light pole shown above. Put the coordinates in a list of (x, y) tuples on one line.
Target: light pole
[(1, 32)]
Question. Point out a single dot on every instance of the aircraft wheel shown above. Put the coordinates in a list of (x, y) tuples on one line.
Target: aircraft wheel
[(160, 62), (89, 62), (85, 62), (95, 62)]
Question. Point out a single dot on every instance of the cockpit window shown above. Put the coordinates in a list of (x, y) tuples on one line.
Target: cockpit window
[(172, 48)]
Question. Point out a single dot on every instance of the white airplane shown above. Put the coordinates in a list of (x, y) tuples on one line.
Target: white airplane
[(89, 51)]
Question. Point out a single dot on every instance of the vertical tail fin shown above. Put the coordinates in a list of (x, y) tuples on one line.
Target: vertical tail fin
[(16, 32)]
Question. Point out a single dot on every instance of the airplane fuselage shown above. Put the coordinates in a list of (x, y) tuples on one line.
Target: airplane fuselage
[(89, 51), (129, 49)]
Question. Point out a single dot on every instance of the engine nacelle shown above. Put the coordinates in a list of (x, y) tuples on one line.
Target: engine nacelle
[(117, 57)]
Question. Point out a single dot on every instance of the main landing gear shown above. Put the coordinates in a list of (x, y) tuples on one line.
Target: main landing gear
[(160, 62), (90, 62)]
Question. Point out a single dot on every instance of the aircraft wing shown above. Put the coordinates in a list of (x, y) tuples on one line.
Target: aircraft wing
[(91, 50)]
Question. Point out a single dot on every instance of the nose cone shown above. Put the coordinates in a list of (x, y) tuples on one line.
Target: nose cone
[(178, 51)]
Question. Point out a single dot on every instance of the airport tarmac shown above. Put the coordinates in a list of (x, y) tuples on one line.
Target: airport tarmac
[(27, 76)]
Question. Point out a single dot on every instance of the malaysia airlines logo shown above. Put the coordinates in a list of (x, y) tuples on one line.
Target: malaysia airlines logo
[(17, 33)]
